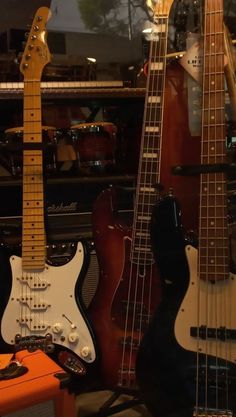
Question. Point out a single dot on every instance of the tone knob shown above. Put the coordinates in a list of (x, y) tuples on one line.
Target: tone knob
[(57, 328), (85, 352), (73, 337)]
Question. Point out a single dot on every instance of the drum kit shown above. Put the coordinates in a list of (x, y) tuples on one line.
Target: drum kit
[(85, 148)]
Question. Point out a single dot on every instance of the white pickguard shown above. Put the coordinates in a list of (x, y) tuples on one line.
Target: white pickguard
[(208, 304), (44, 302)]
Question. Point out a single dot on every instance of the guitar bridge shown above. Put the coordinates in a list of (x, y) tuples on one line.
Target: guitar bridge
[(32, 343), (211, 412)]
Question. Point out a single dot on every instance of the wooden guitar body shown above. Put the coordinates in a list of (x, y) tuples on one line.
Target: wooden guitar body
[(171, 358), (122, 304), (46, 310)]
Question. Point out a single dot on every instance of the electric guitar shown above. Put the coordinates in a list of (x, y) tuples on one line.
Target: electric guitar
[(186, 363), (44, 309), (129, 287)]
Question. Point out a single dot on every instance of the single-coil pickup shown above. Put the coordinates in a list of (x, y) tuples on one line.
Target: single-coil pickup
[(33, 323), (34, 282), (33, 303)]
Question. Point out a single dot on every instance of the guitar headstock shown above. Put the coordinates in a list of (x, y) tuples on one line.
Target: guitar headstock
[(160, 8), (36, 54)]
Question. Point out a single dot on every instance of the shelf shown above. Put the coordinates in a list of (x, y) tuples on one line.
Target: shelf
[(103, 179), (59, 90)]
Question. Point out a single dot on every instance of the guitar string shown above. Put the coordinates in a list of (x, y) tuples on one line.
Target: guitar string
[(218, 107), (222, 261), (138, 307), (153, 144), (206, 178), (203, 180), (33, 195), (125, 374), (134, 270), (226, 270)]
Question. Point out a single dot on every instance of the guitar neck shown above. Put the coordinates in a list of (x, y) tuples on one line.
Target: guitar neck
[(150, 150), (33, 232), (213, 216)]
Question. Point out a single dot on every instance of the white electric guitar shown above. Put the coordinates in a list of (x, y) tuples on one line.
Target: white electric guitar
[(43, 310)]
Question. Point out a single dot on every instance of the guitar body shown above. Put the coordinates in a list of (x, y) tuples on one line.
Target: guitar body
[(122, 305), (48, 311), (168, 360), (200, 295)]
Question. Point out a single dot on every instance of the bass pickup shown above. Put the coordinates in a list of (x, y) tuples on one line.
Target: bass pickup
[(221, 333)]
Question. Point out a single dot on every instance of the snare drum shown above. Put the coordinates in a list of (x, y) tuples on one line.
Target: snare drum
[(95, 144), (12, 147)]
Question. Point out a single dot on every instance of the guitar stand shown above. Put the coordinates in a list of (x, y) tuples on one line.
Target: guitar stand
[(107, 409)]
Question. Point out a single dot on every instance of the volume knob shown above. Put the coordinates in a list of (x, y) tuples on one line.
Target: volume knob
[(85, 351), (73, 337), (57, 328)]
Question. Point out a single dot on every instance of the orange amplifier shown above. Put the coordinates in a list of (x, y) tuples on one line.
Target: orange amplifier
[(40, 392)]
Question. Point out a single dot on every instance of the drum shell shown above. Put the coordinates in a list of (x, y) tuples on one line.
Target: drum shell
[(95, 144)]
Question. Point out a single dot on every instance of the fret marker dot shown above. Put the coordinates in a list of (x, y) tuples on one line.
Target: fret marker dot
[(205, 188), (212, 243), (219, 188), (212, 117), (212, 223), (213, 83), (212, 148), (213, 44), (212, 261)]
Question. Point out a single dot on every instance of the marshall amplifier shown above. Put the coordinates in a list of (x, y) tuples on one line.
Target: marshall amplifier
[(67, 195)]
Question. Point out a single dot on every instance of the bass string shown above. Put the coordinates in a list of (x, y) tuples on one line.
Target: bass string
[(213, 139), (139, 282)]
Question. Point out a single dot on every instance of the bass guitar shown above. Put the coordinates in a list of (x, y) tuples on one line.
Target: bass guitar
[(43, 308), (186, 363), (129, 286)]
